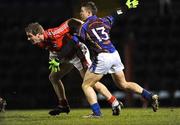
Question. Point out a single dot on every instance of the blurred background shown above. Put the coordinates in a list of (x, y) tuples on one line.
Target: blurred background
[(147, 39)]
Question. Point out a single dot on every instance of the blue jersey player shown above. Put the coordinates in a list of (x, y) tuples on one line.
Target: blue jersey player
[(95, 32)]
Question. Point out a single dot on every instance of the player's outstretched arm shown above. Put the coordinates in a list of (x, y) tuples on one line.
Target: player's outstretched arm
[(130, 4), (120, 12)]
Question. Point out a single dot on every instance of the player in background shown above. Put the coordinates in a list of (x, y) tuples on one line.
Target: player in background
[(96, 33), (64, 54), (2, 104)]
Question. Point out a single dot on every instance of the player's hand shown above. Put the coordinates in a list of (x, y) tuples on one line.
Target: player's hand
[(54, 65), (132, 3)]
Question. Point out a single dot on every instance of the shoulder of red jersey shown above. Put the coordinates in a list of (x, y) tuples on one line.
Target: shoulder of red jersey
[(57, 32), (74, 25)]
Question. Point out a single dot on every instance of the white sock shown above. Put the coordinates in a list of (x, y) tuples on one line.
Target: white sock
[(115, 103)]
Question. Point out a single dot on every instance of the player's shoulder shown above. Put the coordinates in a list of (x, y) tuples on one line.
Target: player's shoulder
[(85, 25), (74, 25), (75, 20), (105, 19), (61, 29)]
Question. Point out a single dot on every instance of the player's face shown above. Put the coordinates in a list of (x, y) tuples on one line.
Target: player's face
[(85, 13), (34, 38)]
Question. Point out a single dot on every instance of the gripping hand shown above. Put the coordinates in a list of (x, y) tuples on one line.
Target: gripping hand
[(132, 3), (54, 65)]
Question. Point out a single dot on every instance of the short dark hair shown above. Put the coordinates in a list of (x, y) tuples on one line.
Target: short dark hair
[(91, 6), (34, 28)]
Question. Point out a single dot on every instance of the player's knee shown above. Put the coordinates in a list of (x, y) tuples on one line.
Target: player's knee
[(85, 85), (97, 87), (124, 86), (50, 77), (53, 78)]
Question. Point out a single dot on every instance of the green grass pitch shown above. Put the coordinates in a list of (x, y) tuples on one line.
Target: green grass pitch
[(129, 116)]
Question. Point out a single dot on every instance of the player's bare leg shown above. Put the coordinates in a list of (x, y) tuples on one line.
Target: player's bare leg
[(101, 88), (116, 105), (90, 79), (55, 78), (121, 82)]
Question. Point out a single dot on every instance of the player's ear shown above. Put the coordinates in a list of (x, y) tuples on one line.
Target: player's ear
[(89, 12)]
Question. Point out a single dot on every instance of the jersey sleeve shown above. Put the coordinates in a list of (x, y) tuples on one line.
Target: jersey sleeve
[(56, 35), (74, 25), (82, 33), (116, 15), (57, 32)]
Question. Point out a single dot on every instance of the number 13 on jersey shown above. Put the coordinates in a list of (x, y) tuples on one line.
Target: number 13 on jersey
[(100, 33)]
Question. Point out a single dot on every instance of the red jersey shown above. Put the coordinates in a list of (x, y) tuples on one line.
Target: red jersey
[(56, 37), (59, 40)]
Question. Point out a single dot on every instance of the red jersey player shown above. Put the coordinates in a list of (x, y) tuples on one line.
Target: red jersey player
[(64, 54)]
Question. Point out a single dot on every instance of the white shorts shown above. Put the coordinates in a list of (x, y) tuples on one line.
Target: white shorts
[(77, 62), (107, 63)]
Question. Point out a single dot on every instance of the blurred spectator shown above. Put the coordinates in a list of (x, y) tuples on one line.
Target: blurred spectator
[(165, 7), (2, 104)]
